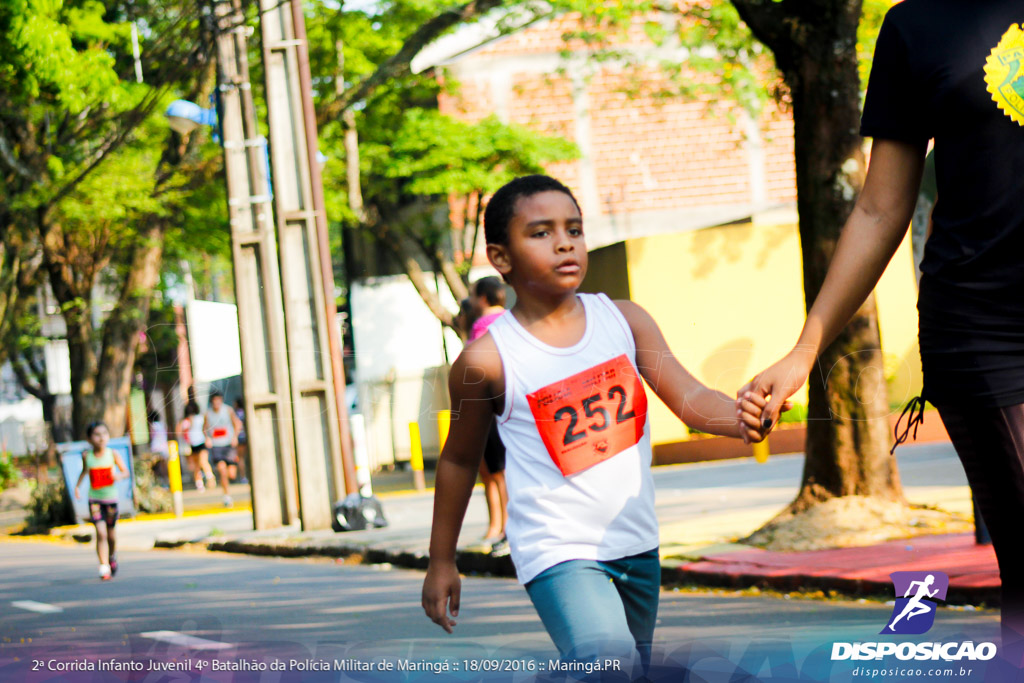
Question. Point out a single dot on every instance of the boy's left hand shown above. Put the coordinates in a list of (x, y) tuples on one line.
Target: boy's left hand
[(442, 589)]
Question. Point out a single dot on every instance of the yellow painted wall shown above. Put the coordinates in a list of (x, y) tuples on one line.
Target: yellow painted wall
[(730, 302), (608, 272)]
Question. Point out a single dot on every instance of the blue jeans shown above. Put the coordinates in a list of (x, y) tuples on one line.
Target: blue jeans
[(594, 610)]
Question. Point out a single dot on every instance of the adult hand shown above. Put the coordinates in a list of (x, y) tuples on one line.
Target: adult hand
[(779, 382), (750, 409), (442, 588)]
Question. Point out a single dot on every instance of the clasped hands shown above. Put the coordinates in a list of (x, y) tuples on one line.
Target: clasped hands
[(761, 400)]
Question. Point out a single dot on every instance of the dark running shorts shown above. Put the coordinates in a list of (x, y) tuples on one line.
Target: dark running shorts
[(223, 454), (103, 511), (494, 451)]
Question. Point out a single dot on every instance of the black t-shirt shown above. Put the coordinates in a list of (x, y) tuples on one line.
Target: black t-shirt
[(953, 70)]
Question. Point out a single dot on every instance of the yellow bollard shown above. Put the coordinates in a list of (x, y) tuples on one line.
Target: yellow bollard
[(761, 451), (174, 477), (416, 458), (444, 421)]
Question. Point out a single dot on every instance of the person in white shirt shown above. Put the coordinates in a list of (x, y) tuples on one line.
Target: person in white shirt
[(221, 427), (561, 374)]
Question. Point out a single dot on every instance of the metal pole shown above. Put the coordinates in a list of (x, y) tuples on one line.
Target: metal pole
[(257, 281)]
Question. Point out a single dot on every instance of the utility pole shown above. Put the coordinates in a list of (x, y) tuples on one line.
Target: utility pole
[(268, 395), (324, 458)]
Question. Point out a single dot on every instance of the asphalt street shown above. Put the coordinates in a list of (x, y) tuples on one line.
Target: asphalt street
[(192, 607)]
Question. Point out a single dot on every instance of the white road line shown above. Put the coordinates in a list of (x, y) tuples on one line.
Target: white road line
[(183, 640), (40, 607)]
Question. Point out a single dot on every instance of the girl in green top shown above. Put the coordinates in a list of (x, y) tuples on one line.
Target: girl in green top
[(98, 464)]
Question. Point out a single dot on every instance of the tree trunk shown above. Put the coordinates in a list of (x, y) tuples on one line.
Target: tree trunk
[(416, 276), (122, 330), (74, 294), (847, 448), (101, 373)]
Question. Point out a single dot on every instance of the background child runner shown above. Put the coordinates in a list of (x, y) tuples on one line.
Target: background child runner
[(98, 465), (190, 430), (488, 305), (221, 427)]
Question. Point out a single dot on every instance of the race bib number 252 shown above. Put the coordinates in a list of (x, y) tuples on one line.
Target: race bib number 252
[(591, 416)]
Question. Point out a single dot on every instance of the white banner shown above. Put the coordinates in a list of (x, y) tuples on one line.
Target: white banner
[(213, 340)]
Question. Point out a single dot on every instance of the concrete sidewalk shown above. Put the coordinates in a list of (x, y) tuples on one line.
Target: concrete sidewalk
[(702, 509), (699, 522)]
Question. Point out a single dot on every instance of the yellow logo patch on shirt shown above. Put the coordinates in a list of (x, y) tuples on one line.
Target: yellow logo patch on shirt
[(1004, 73)]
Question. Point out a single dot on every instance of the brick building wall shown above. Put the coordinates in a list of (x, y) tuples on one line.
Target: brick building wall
[(643, 154)]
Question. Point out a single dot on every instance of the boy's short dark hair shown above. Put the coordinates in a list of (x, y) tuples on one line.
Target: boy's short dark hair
[(216, 394), (492, 289), (93, 426), (502, 206)]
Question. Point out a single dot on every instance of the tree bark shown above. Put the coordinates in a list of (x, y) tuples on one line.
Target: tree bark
[(847, 448), (101, 368), (123, 329), (418, 279), (74, 294)]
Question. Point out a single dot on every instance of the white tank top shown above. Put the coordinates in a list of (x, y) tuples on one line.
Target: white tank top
[(195, 434), (578, 446), (221, 428)]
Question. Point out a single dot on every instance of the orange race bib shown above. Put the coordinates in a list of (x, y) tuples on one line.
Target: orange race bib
[(592, 416), (100, 477)]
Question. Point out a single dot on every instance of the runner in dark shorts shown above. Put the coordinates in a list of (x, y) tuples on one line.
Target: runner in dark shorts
[(221, 427), (494, 451), (103, 512), (225, 454)]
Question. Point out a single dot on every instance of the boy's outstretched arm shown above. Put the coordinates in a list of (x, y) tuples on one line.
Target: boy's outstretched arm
[(476, 371), (695, 404)]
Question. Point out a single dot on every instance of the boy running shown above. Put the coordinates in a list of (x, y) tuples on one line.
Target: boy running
[(561, 375), (221, 427)]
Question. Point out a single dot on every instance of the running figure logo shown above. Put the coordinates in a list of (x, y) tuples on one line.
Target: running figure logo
[(914, 613)]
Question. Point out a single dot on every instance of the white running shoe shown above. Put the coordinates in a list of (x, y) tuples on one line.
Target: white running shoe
[(104, 572), (228, 502)]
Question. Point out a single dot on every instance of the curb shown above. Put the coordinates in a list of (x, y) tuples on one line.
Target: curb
[(468, 562)]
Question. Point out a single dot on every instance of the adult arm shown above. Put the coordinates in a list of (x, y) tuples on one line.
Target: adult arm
[(694, 403), (470, 384), (869, 238)]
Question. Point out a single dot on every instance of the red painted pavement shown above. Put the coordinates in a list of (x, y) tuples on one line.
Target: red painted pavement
[(972, 570)]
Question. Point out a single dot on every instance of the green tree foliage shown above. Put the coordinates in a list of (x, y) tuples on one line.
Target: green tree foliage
[(91, 180), (411, 160), (438, 155)]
